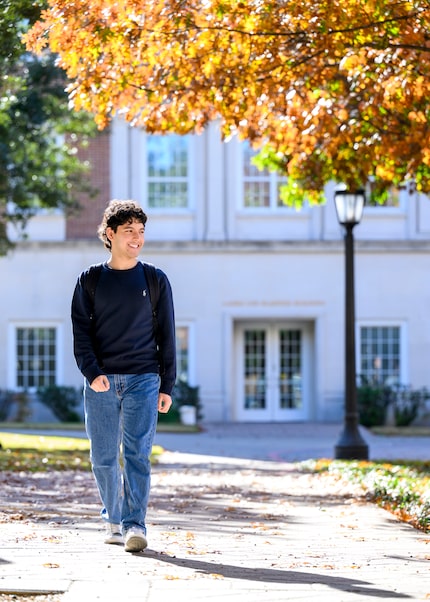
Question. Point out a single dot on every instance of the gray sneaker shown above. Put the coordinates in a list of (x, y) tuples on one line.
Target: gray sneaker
[(135, 540), (113, 534)]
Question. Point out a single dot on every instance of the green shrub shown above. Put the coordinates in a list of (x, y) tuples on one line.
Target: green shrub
[(372, 402), (183, 394), (6, 401), (186, 395), (407, 404), (14, 405), (62, 401)]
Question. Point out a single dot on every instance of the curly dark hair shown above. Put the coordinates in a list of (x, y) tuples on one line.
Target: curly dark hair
[(118, 213)]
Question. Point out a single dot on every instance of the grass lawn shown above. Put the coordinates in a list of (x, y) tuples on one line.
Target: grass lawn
[(162, 427), (41, 453)]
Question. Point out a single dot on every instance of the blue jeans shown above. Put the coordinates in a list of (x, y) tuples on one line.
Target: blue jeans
[(126, 414)]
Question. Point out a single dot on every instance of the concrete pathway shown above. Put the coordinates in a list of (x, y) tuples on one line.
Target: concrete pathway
[(222, 524)]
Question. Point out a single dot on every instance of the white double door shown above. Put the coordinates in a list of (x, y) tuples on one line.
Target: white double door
[(274, 371)]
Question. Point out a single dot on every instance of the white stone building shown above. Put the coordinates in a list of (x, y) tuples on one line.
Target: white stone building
[(258, 287)]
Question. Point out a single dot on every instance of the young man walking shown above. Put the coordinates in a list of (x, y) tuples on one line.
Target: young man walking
[(120, 355)]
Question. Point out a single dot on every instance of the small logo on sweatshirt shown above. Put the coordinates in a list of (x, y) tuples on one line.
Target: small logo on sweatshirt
[(144, 292)]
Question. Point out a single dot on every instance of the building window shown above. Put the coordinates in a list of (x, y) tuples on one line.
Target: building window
[(261, 189), (394, 198), (36, 351), (182, 353), (380, 354), (167, 171)]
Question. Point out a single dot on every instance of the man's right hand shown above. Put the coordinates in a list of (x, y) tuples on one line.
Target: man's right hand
[(100, 384)]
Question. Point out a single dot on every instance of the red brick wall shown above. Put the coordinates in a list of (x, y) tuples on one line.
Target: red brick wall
[(83, 225)]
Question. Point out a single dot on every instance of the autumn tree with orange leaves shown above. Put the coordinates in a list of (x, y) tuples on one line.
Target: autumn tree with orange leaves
[(332, 89)]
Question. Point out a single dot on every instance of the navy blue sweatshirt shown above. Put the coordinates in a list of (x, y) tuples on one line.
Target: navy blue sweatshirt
[(120, 338)]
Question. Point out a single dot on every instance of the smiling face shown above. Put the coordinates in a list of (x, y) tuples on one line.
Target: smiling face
[(126, 243)]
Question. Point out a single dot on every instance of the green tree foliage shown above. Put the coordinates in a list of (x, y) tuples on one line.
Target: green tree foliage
[(39, 133)]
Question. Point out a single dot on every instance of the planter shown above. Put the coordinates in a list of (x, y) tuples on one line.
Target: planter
[(188, 415)]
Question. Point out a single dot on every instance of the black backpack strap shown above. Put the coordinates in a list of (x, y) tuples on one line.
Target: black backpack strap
[(154, 295), (90, 278), (153, 285)]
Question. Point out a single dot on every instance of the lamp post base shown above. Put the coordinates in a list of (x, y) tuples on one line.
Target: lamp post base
[(351, 446), (349, 452)]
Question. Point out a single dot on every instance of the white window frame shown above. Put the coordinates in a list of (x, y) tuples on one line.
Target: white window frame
[(12, 355), (388, 210), (273, 180), (190, 326), (404, 367), (145, 179)]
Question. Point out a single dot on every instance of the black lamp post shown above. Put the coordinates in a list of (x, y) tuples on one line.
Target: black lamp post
[(351, 446)]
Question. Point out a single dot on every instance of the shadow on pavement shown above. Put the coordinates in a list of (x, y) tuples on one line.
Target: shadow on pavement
[(274, 575)]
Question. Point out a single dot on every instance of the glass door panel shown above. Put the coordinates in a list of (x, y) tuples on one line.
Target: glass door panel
[(255, 369), (290, 377), (271, 383)]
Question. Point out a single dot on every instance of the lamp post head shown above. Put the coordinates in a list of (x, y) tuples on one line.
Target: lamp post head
[(349, 206)]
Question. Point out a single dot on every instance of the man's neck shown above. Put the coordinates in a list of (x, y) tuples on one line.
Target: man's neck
[(122, 264)]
